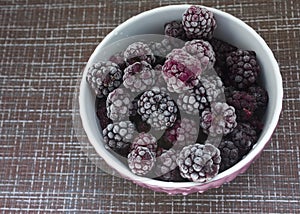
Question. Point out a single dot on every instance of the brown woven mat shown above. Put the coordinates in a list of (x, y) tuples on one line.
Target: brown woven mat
[(44, 48)]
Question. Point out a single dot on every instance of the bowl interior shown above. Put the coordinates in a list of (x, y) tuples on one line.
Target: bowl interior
[(229, 29)]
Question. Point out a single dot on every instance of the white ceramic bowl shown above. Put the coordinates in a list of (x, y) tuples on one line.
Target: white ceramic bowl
[(230, 29)]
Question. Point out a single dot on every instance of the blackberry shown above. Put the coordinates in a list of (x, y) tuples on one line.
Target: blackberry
[(166, 162), (118, 58), (118, 104), (139, 76), (199, 163), (184, 132), (175, 29), (243, 68), (261, 97), (104, 77), (188, 103), (244, 137), (146, 140), (244, 104), (203, 51), (221, 49), (214, 87), (137, 52), (229, 154), (161, 49), (118, 137), (181, 71), (198, 23), (157, 109), (220, 119), (141, 160)]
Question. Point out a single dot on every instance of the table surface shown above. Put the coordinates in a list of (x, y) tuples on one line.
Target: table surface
[(44, 48)]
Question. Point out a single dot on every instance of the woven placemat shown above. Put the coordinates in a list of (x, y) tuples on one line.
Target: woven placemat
[(44, 48)]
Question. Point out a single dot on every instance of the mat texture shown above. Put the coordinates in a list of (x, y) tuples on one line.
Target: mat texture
[(44, 46)]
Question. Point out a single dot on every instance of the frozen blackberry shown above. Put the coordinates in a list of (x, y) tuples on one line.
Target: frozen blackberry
[(118, 137), (221, 49), (244, 104), (220, 119), (139, 76), (244, 137), (181, 71), (157, 109), (160, 50), (184, 132), (187, 102), (203, 51), (198, 23), (194, 101), (101, 112), (166, 162), (118, 104), (147, 140), (214, 87), (229, 154), (261, 97), (175, 29), (104, 77), (141, 160), (118, 58), (137, 52), (199, 163), (243, 68)]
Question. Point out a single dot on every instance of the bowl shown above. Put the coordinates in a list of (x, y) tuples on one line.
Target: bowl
[(231, 30)]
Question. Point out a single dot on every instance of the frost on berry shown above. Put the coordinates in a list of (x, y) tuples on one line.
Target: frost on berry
[(118, 104), (220, 119), (203, 51), (181, 71), (104, 77), (137, 52), (141, 160), (199, 163), (139, 76)]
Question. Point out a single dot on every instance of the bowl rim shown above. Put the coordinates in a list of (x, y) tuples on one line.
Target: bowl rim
[(248, 159)]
